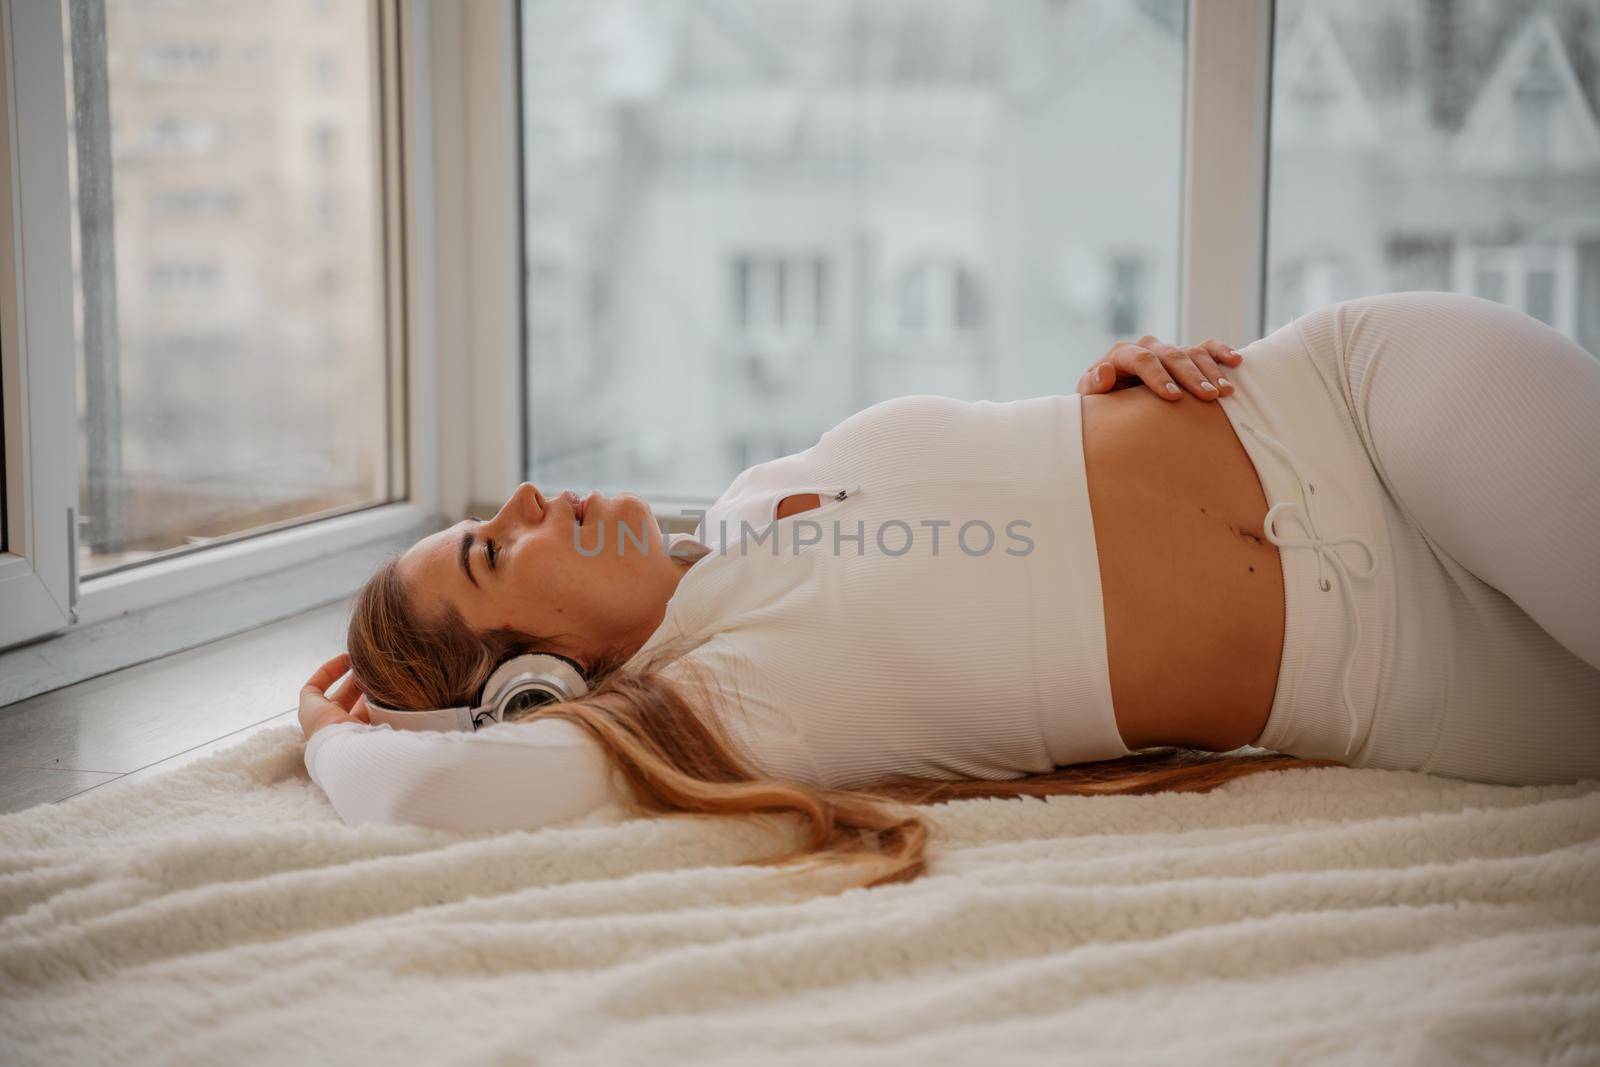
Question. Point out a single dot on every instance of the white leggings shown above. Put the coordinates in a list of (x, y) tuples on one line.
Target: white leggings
[(1456, 443)]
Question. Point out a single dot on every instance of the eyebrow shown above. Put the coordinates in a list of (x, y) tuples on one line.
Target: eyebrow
[(466, 554)]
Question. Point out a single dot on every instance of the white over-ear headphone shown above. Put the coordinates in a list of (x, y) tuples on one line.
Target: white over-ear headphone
[(523, 681)]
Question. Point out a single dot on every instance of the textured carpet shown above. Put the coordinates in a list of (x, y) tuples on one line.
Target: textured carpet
[(224, 914)]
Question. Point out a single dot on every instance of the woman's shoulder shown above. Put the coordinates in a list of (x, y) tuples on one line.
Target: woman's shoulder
[(838, 455), (911, 407), (896, 414)]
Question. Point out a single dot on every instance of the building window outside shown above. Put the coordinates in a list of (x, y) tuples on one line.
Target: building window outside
[(1539, 278), (181, 278), (193, 203), (1420, 260), (325, 143), (1398, 129), (1490, 284), (180, 60), (181, 135), (325, 70), (779, 294), (938, 298), (327, 211)]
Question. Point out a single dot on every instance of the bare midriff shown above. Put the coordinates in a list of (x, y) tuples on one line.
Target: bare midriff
[(1193, 590)]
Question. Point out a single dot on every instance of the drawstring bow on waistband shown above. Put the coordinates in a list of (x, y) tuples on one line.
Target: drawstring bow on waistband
[(1327, 550)]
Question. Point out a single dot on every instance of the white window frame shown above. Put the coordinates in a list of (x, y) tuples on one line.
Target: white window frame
[(38, 587), (477, 252), (1222, 251), (36, 583)]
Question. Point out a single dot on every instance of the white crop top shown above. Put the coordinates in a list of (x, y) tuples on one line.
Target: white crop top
[(938, 615)]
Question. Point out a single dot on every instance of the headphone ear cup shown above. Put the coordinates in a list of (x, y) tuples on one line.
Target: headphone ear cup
[(577, 668), (527, 700), (519, 700), (533, 679)]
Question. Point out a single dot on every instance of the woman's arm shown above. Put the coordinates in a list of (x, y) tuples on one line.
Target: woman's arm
[(511, 776)]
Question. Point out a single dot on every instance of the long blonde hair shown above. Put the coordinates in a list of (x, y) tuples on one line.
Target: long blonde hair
[(674, 759)]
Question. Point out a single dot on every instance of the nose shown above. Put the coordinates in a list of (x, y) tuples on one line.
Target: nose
[(526, 504)]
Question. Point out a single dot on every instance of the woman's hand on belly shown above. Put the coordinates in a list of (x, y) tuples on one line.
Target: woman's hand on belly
[(1156, 364)]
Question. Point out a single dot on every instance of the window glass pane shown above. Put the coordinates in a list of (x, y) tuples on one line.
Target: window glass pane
[(1491, 285), (1540, 296), (1452, 144), (746, 221), (228, 258)]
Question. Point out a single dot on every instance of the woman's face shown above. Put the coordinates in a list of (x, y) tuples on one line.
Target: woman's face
[(534, 568)]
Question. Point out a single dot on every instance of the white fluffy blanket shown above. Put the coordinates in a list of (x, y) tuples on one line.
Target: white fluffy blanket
[(223, 914)]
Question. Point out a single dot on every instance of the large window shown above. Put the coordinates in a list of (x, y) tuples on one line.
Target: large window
[(233, 370), (747, 220), (1442, 145)]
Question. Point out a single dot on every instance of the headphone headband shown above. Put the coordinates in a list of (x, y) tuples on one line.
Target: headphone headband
[(531, 679)]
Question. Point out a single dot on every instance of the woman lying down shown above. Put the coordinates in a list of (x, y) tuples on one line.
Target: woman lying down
[(1366, 540)]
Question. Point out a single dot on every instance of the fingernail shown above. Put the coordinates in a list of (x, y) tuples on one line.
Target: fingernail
[(1208, 385), (1224, 381), (1172, 388)]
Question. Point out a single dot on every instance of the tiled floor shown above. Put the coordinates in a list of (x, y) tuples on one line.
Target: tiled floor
[(157, 716)]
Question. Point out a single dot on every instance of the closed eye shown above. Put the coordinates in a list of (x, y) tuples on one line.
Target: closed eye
[(491, 551)]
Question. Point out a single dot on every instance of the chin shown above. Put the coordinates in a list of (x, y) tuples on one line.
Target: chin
[(633, 508)]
